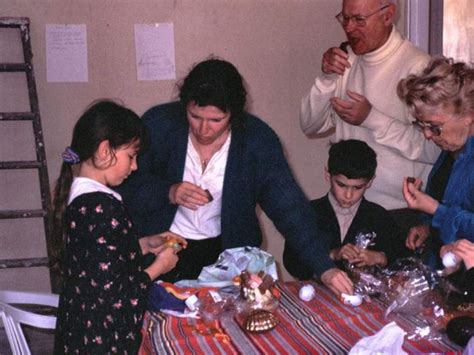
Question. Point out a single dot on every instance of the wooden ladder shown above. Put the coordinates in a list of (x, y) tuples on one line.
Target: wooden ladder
[(23, 24)]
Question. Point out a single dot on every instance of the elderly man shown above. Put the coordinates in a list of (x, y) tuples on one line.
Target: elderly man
[(356, 95)]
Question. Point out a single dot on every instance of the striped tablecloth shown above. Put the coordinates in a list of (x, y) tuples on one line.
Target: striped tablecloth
[(321, 326)]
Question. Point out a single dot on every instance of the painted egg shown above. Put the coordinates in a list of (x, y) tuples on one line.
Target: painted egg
[(307, 293), (351, 300), (450, 259)]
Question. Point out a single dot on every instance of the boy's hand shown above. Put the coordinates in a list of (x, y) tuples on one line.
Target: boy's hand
[(337, 281), (346, 252), (369, 258)]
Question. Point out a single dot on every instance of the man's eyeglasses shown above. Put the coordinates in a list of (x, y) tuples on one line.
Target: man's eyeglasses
[(359, 20), (435, 129)]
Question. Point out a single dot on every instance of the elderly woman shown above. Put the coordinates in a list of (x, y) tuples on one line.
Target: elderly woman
[(209, 165), (441, 99)]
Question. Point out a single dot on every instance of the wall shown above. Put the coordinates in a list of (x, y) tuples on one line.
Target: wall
[(276, 44)]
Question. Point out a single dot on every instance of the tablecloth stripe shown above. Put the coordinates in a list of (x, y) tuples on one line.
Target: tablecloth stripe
[(321, 326)]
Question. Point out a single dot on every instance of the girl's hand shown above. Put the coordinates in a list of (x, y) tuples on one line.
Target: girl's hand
[(164, 262), (417, 199), (158, 242)]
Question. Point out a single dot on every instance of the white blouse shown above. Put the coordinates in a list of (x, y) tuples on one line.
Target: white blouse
[(205, 222)]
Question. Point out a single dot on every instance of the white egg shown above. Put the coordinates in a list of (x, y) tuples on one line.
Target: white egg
[(352, 300), (450, 259), (307, 293)]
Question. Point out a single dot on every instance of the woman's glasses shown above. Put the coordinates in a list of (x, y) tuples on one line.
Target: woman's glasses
[(435, 129), (359, 20)]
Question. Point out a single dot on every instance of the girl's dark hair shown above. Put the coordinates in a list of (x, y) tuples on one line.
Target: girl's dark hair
[(103, 120), (218, 83)]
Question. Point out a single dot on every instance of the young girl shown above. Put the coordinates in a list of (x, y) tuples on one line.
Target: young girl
[(105, 282)]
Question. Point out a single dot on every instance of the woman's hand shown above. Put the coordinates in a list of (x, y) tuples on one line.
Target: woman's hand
[(188, 195), (464, 249), (417, 199), (157, 243), (417, 236), (165, 261)]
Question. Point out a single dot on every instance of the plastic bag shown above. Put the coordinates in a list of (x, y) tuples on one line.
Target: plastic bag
[(230, 264)]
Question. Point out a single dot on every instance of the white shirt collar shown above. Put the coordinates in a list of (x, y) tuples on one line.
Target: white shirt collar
[(83, 185)]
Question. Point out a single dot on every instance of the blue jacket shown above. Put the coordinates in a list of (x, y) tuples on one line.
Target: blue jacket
[(256, 174), (455, 215)]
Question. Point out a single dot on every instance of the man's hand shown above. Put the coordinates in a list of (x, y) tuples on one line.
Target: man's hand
[(353, 111), (417, 236), (337, 281), (335, 61), (188, 195), (417, 199)]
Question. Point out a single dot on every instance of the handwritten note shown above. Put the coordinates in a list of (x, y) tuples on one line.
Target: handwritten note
[(154, 45), (66, 53)]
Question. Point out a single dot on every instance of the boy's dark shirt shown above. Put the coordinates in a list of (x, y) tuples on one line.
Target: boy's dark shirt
[(370, 217)]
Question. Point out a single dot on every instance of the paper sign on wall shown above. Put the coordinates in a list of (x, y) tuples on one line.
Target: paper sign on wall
[(66, 53), (154, 45)]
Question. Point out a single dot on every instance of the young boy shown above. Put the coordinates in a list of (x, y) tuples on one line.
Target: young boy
[(344, 213)]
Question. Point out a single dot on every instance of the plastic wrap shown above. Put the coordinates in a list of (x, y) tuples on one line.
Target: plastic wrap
[(413, 290)]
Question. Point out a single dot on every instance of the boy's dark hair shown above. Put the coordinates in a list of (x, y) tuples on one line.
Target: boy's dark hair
[(217, 83), (352, 158)]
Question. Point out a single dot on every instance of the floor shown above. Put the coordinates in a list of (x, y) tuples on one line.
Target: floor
[(41, 341)]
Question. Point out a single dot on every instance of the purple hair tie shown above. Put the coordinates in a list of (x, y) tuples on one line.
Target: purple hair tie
[(70, 156)]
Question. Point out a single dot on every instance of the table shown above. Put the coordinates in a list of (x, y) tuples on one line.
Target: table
[(322, 326)]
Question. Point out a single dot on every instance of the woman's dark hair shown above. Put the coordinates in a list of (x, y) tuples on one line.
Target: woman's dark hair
[(217, 83), (352, 158), (103, 120)]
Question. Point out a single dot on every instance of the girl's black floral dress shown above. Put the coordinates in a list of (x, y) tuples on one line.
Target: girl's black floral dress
[(105, 288)]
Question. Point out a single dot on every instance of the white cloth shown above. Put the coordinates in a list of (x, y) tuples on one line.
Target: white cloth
[(83, 185), (388, 340), (344, 216), (401, 148), (205, 222)]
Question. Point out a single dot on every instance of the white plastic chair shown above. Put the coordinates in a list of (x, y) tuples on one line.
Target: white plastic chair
[(13, 317)]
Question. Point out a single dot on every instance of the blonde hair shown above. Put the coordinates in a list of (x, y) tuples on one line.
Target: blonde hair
[(443, 84)]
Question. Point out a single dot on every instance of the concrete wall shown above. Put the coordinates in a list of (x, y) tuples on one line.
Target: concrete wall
[(276, 44)]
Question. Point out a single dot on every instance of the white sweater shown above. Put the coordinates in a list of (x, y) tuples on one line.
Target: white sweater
[(401, 148)]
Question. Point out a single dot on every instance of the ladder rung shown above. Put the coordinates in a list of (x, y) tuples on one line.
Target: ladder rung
[(17, 116), (14, 67), (20, 164), (30, 262), (22, 214), (14, 21)]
